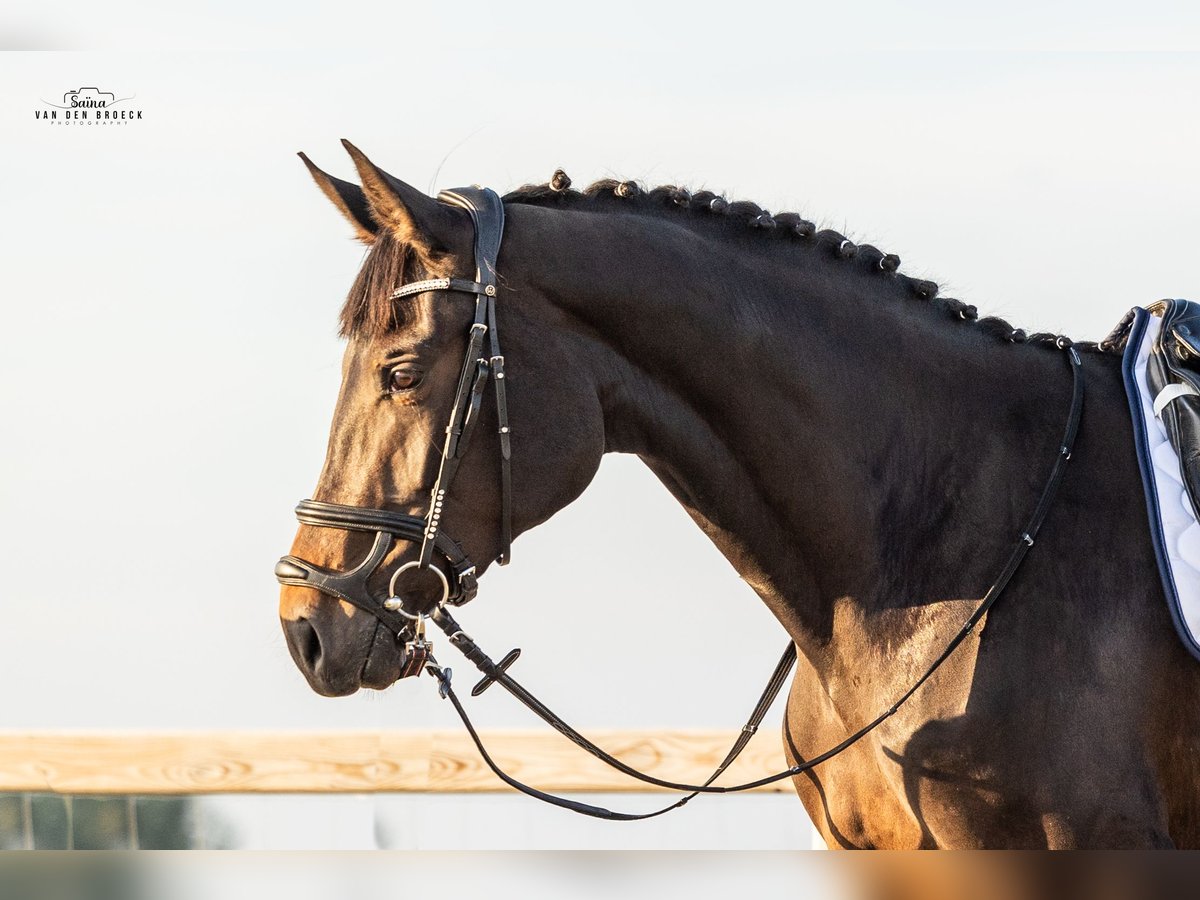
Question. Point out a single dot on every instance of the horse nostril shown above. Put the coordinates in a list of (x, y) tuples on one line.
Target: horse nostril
[(328, 659), (304, 642)]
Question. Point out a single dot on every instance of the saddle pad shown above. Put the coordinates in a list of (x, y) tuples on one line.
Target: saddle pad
[(1174, 529)]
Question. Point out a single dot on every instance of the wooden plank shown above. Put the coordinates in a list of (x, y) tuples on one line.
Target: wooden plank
[(351, 762)]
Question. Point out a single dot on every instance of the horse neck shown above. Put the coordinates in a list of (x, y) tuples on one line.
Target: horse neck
[(837, 441)]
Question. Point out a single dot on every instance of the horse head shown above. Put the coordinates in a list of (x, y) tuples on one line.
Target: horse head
[(421, 489)]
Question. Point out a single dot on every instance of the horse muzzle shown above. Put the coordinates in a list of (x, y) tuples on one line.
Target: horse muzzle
[(401, 616)]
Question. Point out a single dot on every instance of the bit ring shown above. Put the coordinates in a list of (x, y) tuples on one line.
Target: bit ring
[(395, 604)]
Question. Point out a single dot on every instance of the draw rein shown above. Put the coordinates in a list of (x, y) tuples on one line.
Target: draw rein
[(458, 577)]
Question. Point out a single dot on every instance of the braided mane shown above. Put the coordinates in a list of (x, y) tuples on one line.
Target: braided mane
[(743, 213)]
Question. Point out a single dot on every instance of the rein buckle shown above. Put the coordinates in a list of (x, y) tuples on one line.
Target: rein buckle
[(417, 652), (416, 655)]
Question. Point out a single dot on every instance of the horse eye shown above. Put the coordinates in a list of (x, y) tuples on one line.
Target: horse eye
[(402, 380)]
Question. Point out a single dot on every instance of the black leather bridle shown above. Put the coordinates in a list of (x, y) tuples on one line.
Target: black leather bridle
[(459, 577)]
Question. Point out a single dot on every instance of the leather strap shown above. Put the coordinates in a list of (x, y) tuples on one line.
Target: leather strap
[(487, 215), (351, 585), (499, 375), (361, 518), (774, 684), (1172, 392), (438, 284)]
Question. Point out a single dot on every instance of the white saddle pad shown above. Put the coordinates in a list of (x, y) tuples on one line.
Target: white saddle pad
[(1173, 525)]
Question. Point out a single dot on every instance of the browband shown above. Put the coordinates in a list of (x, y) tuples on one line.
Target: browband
[(443, 284)]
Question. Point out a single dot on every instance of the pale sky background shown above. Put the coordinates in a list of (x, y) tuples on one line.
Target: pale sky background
[(168, 359)]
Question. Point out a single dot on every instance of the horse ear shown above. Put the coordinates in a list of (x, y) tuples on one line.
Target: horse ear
[(348, 198), (415, 218)]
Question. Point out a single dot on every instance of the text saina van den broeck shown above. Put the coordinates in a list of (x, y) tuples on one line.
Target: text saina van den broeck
[(92, 114), (88, 105)]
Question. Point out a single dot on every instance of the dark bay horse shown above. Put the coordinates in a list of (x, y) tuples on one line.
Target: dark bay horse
[(862, 451)]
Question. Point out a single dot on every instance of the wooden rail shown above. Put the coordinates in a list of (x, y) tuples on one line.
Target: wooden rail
[(351, 762)]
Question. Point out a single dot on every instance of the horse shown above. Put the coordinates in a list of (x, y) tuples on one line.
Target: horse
[(862, 450)]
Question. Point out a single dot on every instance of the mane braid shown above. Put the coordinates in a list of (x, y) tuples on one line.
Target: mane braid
[(744, 213)]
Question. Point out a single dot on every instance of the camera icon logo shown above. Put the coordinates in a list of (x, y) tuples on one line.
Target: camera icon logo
[(88, 97)]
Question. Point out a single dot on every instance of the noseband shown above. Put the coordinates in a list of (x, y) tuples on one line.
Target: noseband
[(458, 578), (455, 571)]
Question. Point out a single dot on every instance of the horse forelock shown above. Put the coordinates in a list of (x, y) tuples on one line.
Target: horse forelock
[(369, 310)]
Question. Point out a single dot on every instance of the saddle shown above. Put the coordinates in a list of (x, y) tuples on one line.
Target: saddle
[(1161, 366), (1173, 373)]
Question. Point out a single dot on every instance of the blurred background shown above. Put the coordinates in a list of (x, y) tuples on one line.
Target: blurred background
[(169, 363)]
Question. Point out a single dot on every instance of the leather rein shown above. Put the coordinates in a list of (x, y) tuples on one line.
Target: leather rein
[(458, 576)]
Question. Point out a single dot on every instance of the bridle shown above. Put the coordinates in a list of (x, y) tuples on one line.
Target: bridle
[(458, 577)]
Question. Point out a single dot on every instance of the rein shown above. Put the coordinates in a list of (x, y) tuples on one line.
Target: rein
[(458, 577), (497, 672)]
